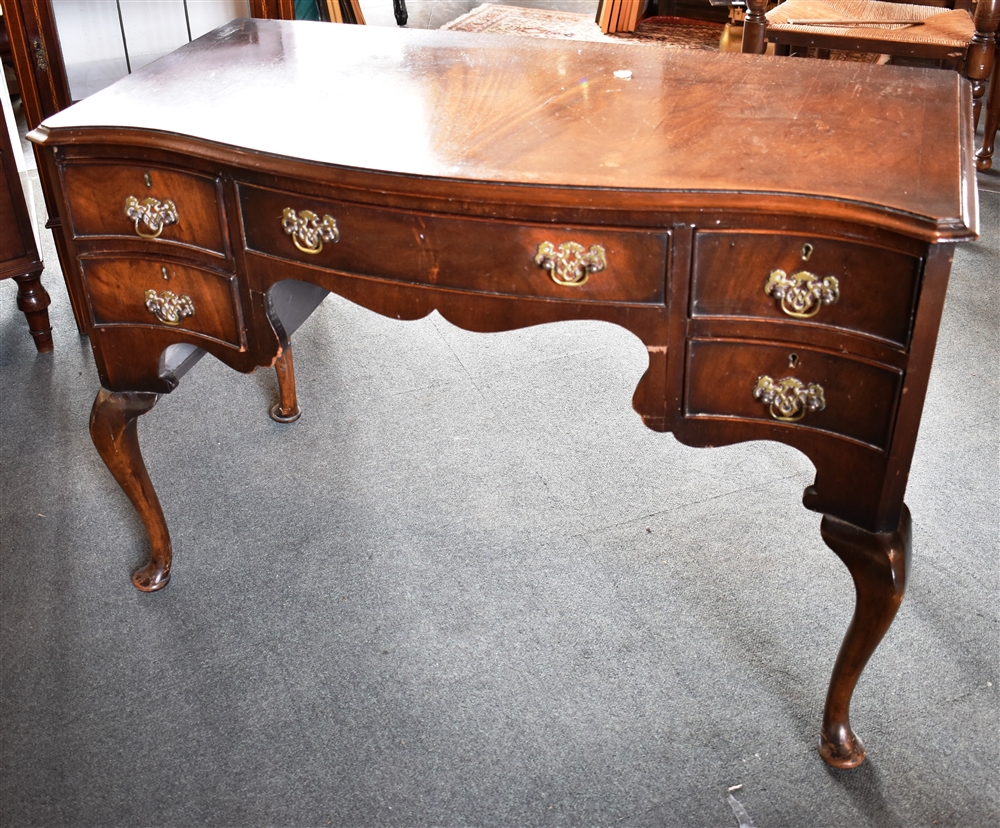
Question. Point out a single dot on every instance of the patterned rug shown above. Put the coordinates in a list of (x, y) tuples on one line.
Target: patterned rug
[(514, 20), (675, 32), (679, 32)]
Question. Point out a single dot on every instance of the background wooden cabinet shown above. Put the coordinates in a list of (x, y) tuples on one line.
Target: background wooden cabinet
[(19, 257), (63, 50)]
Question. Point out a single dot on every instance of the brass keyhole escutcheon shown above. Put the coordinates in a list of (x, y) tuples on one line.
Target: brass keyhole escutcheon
[(41, 58), (807, 251), (571, 263)]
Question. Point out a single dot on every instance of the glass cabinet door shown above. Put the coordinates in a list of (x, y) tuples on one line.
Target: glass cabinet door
[(104, 40)]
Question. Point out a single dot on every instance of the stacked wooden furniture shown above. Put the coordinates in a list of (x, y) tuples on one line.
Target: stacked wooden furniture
[(619, 15), (349, 11)]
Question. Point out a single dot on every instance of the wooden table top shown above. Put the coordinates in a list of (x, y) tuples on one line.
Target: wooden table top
[(529, 111)]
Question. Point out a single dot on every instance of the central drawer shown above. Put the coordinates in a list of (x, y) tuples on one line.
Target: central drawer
[(468, 254)]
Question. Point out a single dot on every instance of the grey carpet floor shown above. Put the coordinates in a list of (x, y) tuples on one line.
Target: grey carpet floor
[(468, 587)]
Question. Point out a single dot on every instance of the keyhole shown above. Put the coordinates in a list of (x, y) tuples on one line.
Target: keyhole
[(793, 360), (807, 251), (163, 270), (149, 181)]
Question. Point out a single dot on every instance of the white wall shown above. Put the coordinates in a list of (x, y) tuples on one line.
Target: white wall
[(90, 33)]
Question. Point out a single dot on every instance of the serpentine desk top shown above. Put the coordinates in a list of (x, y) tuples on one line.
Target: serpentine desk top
[(778, 233), (551, 112)]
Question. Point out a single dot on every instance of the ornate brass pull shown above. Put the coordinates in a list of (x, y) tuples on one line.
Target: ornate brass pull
[(168, 307), (789, 398), (571, 263), (803, 293), (154, 214), (308, 230)]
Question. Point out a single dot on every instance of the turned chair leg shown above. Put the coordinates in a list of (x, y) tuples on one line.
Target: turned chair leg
[(755, 28), (286, 410), (984, 158), (399, 12), (113, 421), (878, 563), (979, 59)]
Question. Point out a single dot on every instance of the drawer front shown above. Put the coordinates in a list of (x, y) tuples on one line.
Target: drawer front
[(487, 256), (170, 207), (874, 292), (164, 294), (858, 399)]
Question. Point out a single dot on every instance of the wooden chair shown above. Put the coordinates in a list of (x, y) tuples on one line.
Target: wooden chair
[(984, 158), (953, 37)]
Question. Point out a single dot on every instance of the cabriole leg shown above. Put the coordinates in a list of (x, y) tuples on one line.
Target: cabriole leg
[(878, 563), (286, 410), (113, 421)]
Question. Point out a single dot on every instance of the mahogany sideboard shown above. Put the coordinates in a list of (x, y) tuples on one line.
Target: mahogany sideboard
[(778, 233)]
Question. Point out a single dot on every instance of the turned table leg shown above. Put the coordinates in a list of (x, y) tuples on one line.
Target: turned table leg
[(286, 410), (33, 301), (113, 421), (878, 563)]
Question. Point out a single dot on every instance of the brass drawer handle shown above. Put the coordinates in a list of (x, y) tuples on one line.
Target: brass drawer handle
[(789, 398), (803, 293), (154, 214), (168, 307), (570, 263), (308, 230)]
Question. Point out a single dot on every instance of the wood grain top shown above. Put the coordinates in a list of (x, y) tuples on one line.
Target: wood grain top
[(527, 111)]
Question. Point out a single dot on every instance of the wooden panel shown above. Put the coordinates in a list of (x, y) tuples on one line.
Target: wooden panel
[(493, 257), (861, 397), (12, 237), (878, 287)]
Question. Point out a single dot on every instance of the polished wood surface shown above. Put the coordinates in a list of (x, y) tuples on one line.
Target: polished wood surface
[(760, 224), (957, 38), (559, 117)]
